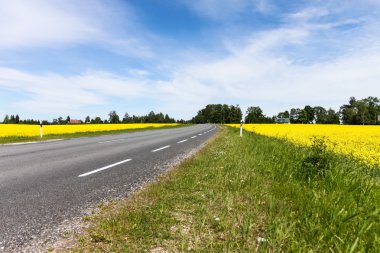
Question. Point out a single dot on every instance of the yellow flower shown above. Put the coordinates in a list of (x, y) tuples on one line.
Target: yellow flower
[(360, 142), (19, 130)]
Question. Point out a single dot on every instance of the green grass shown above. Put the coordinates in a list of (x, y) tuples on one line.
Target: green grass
[(245, 195), (15, 139)]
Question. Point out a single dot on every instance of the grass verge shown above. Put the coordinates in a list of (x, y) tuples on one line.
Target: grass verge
[(15, 139), (245, 195)]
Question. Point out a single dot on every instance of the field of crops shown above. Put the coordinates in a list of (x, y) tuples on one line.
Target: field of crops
[(360, 142), (19, 130)]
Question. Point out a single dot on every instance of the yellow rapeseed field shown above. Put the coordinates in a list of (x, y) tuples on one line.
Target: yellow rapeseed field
[(19, 130), (360, 142)]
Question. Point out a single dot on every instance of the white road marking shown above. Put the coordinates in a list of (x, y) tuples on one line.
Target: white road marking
[(30, 142), (183, 141), (101, 142), (199, 134), (104, 168), (20, 143), (194, 137), (168, 146), (110, 141)]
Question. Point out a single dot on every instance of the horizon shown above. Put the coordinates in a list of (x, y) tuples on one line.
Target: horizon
[(61, 58), (121, 115)]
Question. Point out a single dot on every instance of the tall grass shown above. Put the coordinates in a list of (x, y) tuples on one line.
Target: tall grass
[(246, 195)]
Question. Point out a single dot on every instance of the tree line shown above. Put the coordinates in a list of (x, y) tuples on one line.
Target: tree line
[(149, 118), (310, 115), (357, 112), (15, 119), (218, 113), (113, 118)]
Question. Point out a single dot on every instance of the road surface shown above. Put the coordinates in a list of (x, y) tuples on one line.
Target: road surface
[(45, 184)]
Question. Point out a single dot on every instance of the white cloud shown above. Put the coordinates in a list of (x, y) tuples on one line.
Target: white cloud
[(228, 9), (247, 77), (261, 72), (56, 23), (262, 69), (253, 73), (31, 23), (309, 14), (56, 94)]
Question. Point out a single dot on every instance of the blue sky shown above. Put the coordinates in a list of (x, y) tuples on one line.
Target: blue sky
[(88, 57)]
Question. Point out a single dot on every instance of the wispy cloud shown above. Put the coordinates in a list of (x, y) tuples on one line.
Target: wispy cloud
[(318, 54), (53, 24), (58, 93), (309, 14), (269, 80), (228, 9), (41, 23), (312, 58)]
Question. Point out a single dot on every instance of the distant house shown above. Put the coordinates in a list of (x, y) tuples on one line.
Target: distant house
[(75, 121), (282, 120)]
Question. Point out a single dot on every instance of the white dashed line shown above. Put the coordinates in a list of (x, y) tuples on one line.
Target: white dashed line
[(30, 142), (200, 134), (104, 168), (101, 142), (182, 141), (194, 137), (168, 146), (110, 141)]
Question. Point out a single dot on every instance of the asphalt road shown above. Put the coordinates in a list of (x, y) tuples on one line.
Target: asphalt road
[(45, 184)]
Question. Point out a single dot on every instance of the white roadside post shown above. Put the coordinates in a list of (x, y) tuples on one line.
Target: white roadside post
[(41, 133), (241, 128)]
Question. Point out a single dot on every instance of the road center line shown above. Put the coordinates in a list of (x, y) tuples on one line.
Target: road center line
[(194, 137), (200, 134), (104, 168), (101, 142), (168, 146), (183, 141)]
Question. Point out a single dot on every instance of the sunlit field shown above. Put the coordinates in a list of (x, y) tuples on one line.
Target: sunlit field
[(360, 142), (19, 130)]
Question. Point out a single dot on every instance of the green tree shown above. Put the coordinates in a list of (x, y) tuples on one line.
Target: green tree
[(295, 115), (12, 120), (254, 114), (283, 115), (97, 120), (6, 119), (320, 115), (218, 113), (127, 118), (309, 114), (113, 117), (364, 111), (372, 105), (226, 114), (236, 114), (332, 117)]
